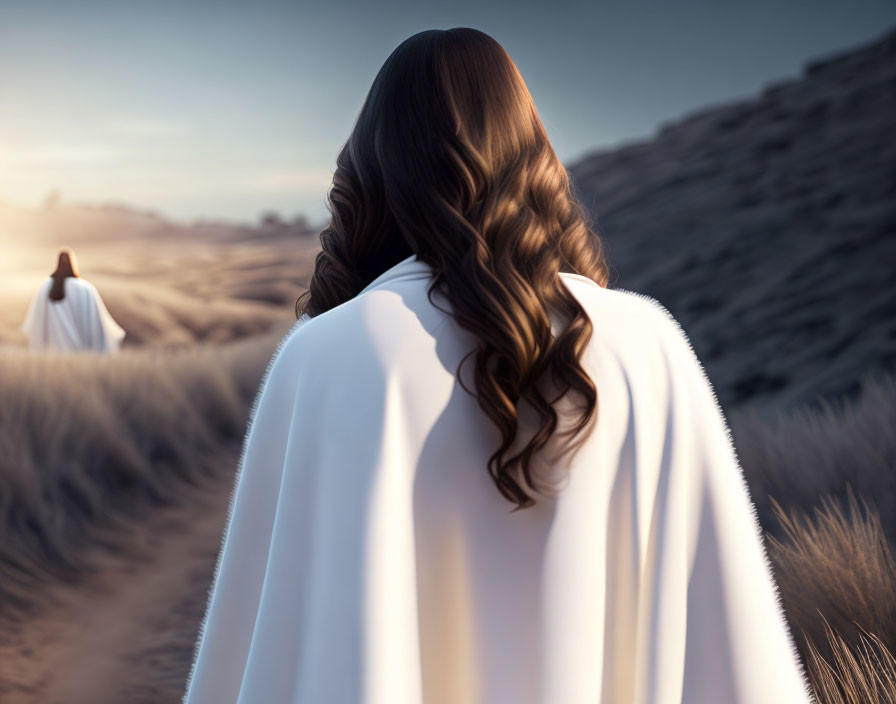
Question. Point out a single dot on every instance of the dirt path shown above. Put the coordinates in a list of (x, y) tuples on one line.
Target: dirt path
[(127, 633)]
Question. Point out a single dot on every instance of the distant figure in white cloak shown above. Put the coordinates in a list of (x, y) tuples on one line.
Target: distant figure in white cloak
[(67, 313), (429, 507)]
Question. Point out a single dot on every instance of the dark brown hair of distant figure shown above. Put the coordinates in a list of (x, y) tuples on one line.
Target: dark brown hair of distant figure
[(66, 266), (450, 161)]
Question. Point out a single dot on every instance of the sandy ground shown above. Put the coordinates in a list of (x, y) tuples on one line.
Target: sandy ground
[(127, 632)]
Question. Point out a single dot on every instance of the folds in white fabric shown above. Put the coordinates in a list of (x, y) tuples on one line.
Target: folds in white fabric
[(77, 322), (369, 558)]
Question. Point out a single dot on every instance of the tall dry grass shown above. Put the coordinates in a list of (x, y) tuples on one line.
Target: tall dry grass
[(837, 579), (821, 476), (88, 445), (836, 571), (862, 674), (801, 456)]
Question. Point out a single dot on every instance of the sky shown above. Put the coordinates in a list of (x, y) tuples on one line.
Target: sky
[(226, 110)]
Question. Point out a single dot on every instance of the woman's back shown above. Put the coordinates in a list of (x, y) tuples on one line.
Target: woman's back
[(77, 321), (368, 556)]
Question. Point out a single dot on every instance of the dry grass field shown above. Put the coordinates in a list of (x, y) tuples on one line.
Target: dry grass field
[(168, 284), (115, 477)]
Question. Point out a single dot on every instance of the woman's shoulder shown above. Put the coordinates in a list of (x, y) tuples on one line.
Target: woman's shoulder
[(78, 282), (621, 306), (342, 344), (632, 325), (379, 318), (320, 337)]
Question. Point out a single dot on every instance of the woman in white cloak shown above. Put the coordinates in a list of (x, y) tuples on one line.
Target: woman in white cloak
[(417, 517), (67, 313)]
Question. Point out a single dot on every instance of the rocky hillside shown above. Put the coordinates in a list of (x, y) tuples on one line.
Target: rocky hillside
[(768, 228)]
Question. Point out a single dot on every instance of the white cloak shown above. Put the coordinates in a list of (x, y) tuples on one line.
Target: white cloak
[(79, 321), (368, 557)]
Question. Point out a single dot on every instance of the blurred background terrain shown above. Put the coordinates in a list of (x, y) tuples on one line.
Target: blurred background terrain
[(765, 225)]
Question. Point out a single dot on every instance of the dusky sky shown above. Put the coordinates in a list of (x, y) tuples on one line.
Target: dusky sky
[(225, 110)]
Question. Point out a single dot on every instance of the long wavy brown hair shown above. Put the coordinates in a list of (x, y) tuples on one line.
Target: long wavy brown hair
[(66, 266), (449, 160)]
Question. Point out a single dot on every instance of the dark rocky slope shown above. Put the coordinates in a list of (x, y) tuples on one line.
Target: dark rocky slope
[(768, 228)]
